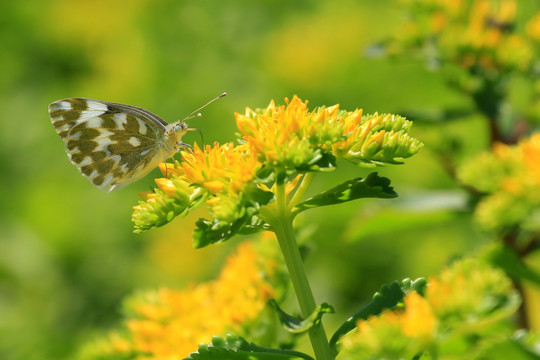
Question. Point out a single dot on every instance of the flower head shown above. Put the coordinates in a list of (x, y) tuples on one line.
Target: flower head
[(292, 137), (475, 40), (463, 300), (279, 144), (169, 323), (470, 293), (289, 136), (217, 175), (396, 334), (510, 178)]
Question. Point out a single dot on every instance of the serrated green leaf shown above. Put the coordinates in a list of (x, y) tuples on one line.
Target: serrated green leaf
[(299, 326), (507, 259), (373, 186), (236, 348), (211, 232), (386, 298), (418, 285)]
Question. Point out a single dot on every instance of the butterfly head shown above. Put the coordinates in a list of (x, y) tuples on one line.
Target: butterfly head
[(175, 132)]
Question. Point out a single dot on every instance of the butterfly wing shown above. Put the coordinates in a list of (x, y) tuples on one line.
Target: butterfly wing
[(111, 144)]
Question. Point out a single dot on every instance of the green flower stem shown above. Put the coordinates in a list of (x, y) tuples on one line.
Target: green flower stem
[(279, 217), (301, 191), (287, 242)]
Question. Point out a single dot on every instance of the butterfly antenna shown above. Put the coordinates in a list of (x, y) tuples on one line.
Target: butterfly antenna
[(195, 113)]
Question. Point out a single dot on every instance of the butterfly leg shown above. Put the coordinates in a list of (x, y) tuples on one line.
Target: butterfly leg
[(182, 145), (166, 168)]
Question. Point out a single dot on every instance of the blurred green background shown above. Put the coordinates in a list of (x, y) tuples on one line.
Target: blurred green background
[(67, 252)]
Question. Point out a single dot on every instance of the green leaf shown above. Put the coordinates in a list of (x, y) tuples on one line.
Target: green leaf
[(509, 348), (387, 298), (265, 175), (258, 196), (506, 258), (322, 163), (299, 326), (418, 285), (373, 186), (216, 230), (211, 232), (236, 348)]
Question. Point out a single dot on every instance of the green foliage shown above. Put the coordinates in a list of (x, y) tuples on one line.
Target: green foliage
[(388, 297), (508, 179), (507, 349), (505, 258), (233, 347), (462, 313), (211, 232), (299, 326), (321, 162), (373, 186)]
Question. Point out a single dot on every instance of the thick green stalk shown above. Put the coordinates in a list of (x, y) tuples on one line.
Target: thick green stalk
[(281, 221)]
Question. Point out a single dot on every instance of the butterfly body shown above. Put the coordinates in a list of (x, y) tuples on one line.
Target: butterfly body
[(113, 144)]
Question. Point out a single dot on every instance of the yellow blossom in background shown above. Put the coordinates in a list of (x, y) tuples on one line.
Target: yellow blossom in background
[(531, 158), (418, 320), (464, 299), (468, 293), (509, 177), (533, 27), (380, 337), (476, 35), (169, 324), (394, 334), (525, 173)]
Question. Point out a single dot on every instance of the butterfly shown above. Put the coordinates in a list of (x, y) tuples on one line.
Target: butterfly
[(113, 144)]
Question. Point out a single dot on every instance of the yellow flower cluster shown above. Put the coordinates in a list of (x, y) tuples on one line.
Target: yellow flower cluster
[(531, 159), (469, 293), (293, 137), (235, 181), (464, 299), (222, 170), (218, 174), (476, 34), (225, 168), (510, 177), (169, 324), (394, 334), (290, 134), (533, 28)]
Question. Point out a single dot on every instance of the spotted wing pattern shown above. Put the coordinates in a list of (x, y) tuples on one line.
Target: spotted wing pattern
[(111, 144)]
